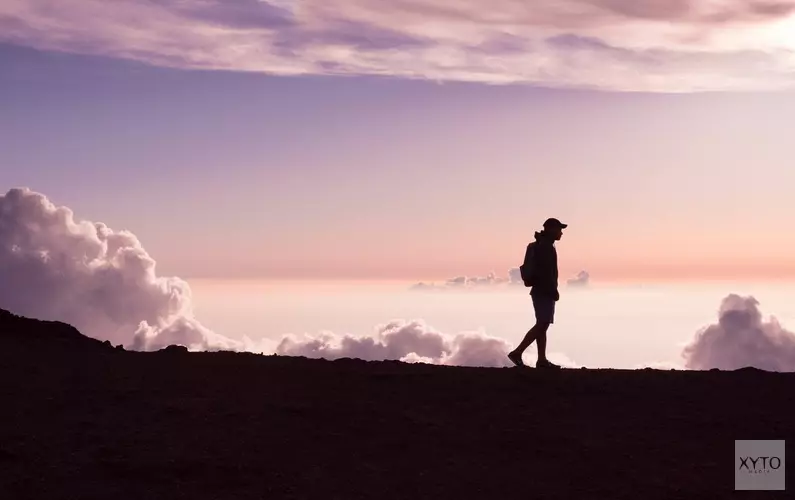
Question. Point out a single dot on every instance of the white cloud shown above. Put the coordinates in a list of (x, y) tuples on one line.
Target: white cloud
[(676, 45), (103, 282), (515, 276), (581, 280), (489, 281), (409, 341), (741, 338), (99, 280)]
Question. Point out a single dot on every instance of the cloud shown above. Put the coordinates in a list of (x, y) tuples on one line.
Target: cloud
[(53, 266), (410, 342), (515, 276), (475, 281), (581, 280), (99, 280), (491, 280), (741, 338), (103, 282), (651, 45), (697, 11), (241, 14)]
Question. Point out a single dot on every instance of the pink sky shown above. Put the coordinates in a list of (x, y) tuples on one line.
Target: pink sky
[(483, 120)]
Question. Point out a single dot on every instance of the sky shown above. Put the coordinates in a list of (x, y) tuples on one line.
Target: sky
[(105, 283), (411, 140)]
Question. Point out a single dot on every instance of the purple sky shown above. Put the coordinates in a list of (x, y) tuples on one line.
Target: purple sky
[(671, 45), (234, 168)]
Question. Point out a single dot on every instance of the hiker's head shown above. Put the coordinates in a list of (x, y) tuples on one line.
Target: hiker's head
[(554, 228)]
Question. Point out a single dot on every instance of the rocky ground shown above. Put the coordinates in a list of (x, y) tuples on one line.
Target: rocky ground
[(80, 419)]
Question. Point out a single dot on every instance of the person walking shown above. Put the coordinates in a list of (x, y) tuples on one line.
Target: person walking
[(541, 274)]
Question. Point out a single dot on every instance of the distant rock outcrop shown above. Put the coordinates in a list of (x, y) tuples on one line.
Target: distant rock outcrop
[(174, 349)]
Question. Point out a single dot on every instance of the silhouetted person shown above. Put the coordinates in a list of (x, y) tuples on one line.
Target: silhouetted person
[(544, 291)]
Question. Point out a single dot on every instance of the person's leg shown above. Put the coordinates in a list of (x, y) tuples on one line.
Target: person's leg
[(546, 311), (540, 328), (538, 334), (541, 344), (530, 336), (516, 355)]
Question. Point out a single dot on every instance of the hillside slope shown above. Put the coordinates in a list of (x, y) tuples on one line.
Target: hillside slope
[(81, 419)]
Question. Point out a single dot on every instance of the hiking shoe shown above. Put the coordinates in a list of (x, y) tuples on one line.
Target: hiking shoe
[(516, 358), (545, 363)]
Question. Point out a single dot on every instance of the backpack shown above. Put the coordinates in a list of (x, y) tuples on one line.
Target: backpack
[(527, 269)]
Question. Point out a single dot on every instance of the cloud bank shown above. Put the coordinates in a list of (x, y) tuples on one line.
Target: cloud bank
[(633, 45), (741, 338), (470, 282), (100, 281), (104, 283), (410, 342), (406, 341), (491, 281)]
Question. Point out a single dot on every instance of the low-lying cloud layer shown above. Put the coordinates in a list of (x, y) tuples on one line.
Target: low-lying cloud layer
[(491, 281), (741, 338), (410, 342), (103, 282), (469, 282), (672, 45), (406, 341)]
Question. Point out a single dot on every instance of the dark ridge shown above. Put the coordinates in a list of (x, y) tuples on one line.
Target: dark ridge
[(81, 419), (18, 331)]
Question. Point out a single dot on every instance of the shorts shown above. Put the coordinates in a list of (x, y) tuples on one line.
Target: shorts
[(544, 308)]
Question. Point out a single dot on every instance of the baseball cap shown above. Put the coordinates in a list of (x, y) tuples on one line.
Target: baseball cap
[(553, 223)]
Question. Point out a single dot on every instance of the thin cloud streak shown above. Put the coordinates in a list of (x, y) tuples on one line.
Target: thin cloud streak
[(670, 46)]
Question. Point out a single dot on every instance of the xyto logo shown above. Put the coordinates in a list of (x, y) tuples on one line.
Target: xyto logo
[(759, 465)]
